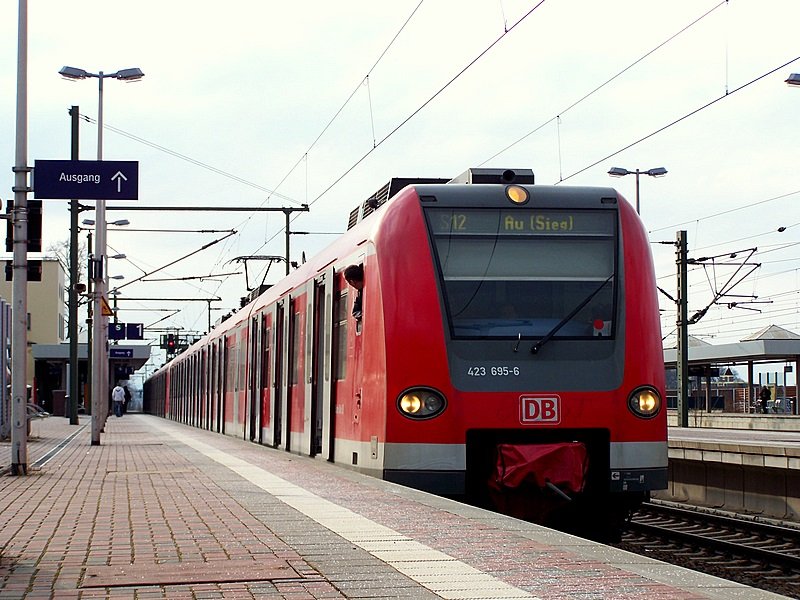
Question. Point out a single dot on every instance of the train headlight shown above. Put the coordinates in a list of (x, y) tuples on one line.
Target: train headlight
[(645, 402), (517, 194), (421, 403)]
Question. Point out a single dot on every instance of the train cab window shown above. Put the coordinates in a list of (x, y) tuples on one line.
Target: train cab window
[(354, 276), (506, 274)]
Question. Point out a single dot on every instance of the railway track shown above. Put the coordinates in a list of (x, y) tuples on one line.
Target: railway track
[(737, 548)]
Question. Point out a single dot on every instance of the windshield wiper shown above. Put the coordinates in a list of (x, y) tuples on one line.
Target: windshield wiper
[(538, 345)]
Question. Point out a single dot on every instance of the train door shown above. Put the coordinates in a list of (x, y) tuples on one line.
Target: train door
[(321, 365), (206, 375), (191, 390), (264, 388), (217, 400), (253, 423), (306, 376), (196, 387), (212, 385), (186, 391), (223, 383), (197, 382), (237, 391), (287, 348), (278, 392), (358, 368)]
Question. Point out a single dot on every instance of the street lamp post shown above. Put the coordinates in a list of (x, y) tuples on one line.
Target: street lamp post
[(620, 172), (89, 325), (19, 331), (100, 322), (95, 266)]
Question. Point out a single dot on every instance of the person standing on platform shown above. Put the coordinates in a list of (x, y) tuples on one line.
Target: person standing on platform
[(118, 397), (127, 400), (764, 397)]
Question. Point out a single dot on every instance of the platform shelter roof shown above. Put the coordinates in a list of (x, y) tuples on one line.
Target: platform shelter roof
[(768, 345), (139, 353)]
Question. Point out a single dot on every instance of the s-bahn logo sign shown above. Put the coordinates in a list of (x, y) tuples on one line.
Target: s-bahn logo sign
[(540, 409)]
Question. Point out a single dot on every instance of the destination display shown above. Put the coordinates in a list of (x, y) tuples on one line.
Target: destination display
[(523, 222)]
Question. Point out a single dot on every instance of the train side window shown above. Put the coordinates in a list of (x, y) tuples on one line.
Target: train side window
[(297, 336), (242, 360), (340, 336), (265, 365), (230, 368)]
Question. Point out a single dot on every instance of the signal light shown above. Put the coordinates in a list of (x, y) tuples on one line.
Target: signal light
[(171, 342), (34, 226)]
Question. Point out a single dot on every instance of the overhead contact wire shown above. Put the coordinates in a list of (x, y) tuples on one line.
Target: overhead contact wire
[(413, 114), (605, 83), (683, 118)]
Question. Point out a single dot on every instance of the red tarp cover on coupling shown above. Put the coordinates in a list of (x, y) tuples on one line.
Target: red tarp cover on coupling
[(564, 465)]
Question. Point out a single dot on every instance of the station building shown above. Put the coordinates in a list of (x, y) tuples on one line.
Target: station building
[(47, 322), (48, 348)]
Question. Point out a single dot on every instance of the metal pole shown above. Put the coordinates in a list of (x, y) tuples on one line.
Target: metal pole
[(19, 322), (288, 233), (99, 379), (5, 406), (683, 331), (74, 277), (90, 331), (637, 192)]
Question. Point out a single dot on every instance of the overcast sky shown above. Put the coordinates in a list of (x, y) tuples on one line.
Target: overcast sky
[(235, 100)]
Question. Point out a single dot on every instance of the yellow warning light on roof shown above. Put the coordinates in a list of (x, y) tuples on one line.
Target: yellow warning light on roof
[(517, 194)]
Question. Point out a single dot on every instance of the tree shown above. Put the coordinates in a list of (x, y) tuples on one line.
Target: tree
[(60, 251)]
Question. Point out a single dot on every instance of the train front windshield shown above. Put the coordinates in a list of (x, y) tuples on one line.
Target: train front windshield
[(526, 272)]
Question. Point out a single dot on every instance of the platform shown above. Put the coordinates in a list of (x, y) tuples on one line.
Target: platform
[(756, 472), (720, 420), (779, 449), (160, 510)]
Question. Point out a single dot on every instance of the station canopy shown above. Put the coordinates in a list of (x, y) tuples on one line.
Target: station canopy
[(60, 353), (772, 344)]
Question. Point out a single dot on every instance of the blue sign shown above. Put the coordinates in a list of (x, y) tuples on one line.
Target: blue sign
[(122, 371), (134, 331), (116, 331), (120, 352), (86, 179), (122, 331)]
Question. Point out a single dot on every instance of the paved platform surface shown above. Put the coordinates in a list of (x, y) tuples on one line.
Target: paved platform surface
[(160, 510), (45, 436)]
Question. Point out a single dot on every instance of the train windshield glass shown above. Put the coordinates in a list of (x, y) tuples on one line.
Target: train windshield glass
[(512, 273)]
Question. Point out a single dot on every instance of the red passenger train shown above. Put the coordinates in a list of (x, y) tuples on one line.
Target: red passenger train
[(508, 349)]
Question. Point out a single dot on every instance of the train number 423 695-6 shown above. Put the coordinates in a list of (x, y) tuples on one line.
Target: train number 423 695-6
[(482, 371)]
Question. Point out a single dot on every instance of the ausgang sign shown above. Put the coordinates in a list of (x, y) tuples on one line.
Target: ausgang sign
[(86, 179)]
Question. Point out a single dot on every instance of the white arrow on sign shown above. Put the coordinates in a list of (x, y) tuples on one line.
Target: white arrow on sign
[(119, 177)]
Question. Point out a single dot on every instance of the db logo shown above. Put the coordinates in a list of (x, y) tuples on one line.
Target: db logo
[(540, 409)]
